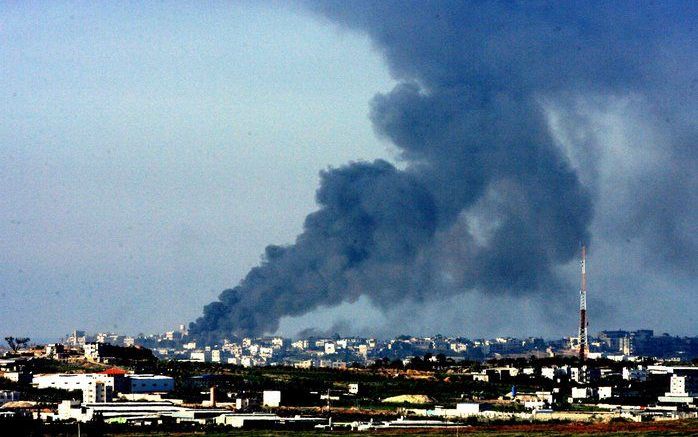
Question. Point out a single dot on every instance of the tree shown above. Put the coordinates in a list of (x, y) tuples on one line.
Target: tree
[(16, 343)]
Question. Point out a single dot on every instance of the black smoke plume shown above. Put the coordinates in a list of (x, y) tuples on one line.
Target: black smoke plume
[(487, 199)]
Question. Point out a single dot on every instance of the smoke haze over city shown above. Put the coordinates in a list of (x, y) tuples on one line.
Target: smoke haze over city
[(499, 138)]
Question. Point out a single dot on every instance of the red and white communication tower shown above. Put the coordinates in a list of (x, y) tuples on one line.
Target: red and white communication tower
[(583, 340)]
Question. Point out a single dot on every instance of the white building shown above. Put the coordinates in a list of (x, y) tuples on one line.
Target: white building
[(683, 386), (631, 373), (467, 408), (300, 344), (577, 374), (257, 420), (464, 409), (95, 387), (363, 350), (218, 356), (579, 393), (92, 350), (266, 352), (12, 376), (330, 348), (201, 356), (459, 347), (303, 364), (76, 338), (480, 376), (98, 392), (84, 412), (548, 372), (52, 350), (271, 398)]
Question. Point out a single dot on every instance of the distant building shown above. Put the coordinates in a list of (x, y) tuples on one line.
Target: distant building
[(613, 340), (271, 398), (8, 396), (76, 338), (581, 393), (363, 350), (303, 364), (97, 392), (92, 350), (604, 392), (626, 342), (467, 408), (21, 376), (201, 356), (300, 344), (218, 356), (173, 335), (683, 386), (54, 349), (86, 411), (150, 383)]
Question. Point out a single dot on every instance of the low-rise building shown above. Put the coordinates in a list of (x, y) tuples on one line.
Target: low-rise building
[(95, 387), (150, 383), (86, 411), (201, 356), (271, 398), (581, 393), (683, 386), (265, 420)]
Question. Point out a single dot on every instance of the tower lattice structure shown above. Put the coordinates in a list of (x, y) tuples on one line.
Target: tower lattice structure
[(583, 322)]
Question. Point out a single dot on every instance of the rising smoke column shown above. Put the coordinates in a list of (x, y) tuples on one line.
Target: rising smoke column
[(481, 163)]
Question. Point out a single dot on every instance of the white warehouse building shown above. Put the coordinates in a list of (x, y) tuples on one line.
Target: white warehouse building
[(95, 387)]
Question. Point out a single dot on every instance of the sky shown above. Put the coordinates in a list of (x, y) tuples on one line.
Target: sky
[(150, 152)]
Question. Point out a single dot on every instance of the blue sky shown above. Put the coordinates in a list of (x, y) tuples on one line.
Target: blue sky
[(148, 154)]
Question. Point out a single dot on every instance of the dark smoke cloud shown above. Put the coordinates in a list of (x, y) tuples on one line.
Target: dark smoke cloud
[(372, 220), (488, 199)]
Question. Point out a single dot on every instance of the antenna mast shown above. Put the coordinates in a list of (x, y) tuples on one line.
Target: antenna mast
[(583, 340)]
